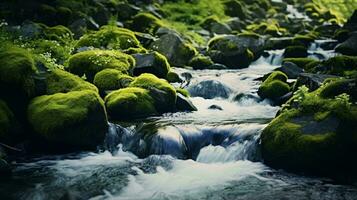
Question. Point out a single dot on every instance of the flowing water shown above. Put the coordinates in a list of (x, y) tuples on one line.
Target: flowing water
[(207, 154)]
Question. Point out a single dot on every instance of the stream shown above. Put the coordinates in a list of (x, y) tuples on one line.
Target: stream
[(212, 153)]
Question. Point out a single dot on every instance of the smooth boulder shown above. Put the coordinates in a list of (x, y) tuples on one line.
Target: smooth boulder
[(210, 89)]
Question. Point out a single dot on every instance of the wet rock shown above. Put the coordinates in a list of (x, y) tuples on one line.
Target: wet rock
[(215, 107), (172, 46), (291, 70), (184, 104), (31, 30), (210, 89), (279, 43), (274, 87), (312, 81), (351, 24), (243, 96), (348, 47), (235, 24)]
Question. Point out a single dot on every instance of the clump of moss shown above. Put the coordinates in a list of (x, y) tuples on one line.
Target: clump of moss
[(89, 63), (76, 119), (146, 22), (135, 50), (159, 66), (111, 79), (339, 65), (60, 81), (56, 50), (130, 103), (333, 88), (274, 86), (184, 92), (295, 52), (271, 27), (16, 69), (58, 33), (200, 62), (173, 77), (301, 62), (163, 93), (110, 37)]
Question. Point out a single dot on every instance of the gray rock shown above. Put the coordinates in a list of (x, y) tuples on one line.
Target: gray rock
[(348, 47), (184, 104), (235, 24), (174, 48), (210, 89), (150, 63), (31, 30), (220, 28), (312, 81), (215, 107), (291, 70), (279, 43)]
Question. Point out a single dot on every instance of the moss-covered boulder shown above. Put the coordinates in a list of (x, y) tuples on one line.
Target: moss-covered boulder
[(311, 133), (109, 37), (339, 65), (60, 81), (89, 63), (111, 79), (7, 121), (130, 103), (304, 63), (295, 52), (145, 22), (75, 119), (274, 87), (235, 51), (201, 62), (160, 90), (173, 77), (235, 8), (177, 51), (153, 63), (58, 33)]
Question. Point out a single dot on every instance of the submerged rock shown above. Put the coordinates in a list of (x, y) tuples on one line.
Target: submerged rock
[(210, 89)]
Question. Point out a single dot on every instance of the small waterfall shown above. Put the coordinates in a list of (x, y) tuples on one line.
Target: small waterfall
[(295, 14), (322, 49), (272, 57)]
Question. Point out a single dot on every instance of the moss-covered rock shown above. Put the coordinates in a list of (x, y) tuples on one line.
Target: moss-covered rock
[(7, 121), (304, 40), (173, 77), (177, 51), (311, 133), (295, 52), (163, 93), (271, 27), (89, 63), (53, 48), (59, 33), (235, 51), (274, 86), (301, 62), (145, 22), (235, 8), (201, 62), (130, 103), (154, 63), (76, 119), (111, 79), (109, 37), (60, 81), (348, 47), (338, 65)]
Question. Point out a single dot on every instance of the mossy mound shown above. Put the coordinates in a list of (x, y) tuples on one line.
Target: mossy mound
[(201, 62), (109, 37), (339, 65), (163, 93), (271, 27), (173, 77), (60, 81), (304, 40), (76, 119), (16, 69), (59, 33), (130, 103), (302, 62), (89, 63), (145, 22), (311, 133), (111, 79), (295, 52), (274, 86), (153, 63), (55, 49)]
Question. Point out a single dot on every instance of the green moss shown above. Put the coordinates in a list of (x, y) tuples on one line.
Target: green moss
[(130, 103), (271, 27), (76, 118), (6, 120), (173, 77), (135, 50), (163, 93), (301, 62), (341, 65), (304, 40), (333, 88), (146, 22), (234, 8), (274, 86), (295, 52), (89, 63), (110, 37), (60, 81), (58, 33), (201, 62), (52, 47), (111, 79), (16, 69), (182, 91)]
